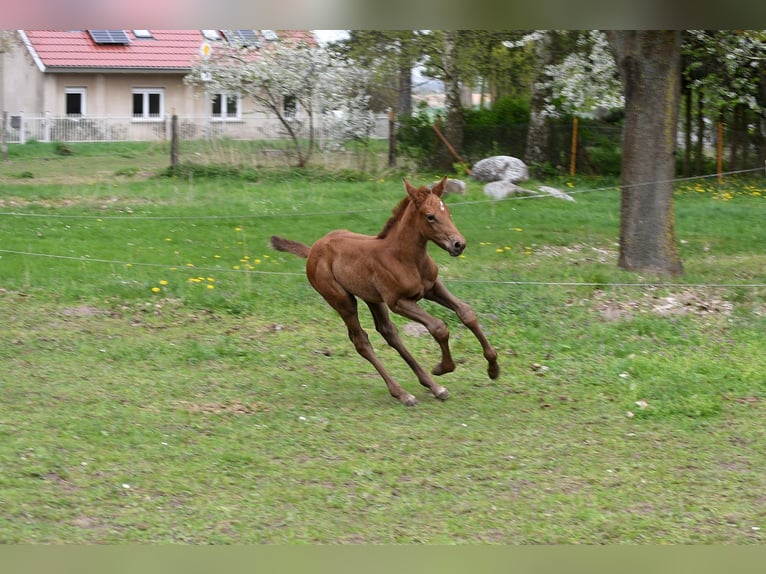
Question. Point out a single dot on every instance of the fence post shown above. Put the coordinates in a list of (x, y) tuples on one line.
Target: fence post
[(3, 129), (47, 127), (391, 139), (22, 129), (174, 140), (573, 153), (719, 153)]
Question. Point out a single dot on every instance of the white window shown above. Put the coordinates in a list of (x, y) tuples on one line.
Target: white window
[(143, 34), (226, 106), (148, 103), (75, 101)]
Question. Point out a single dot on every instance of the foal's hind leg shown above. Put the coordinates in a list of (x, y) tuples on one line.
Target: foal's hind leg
[(439, 294), (346, 306), (389, 332)]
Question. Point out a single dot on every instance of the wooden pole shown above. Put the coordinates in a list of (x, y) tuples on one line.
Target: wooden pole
[(451, 149), (174, 140), (573, 153), (719, 154), (391, 139), (3, 137)]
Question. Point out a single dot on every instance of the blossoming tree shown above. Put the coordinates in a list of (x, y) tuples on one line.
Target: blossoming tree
[(295, 82)]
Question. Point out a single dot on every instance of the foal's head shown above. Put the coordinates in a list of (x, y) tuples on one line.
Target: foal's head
[(434, 221)]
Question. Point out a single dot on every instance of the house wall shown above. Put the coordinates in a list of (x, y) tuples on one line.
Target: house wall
[(22, 82), (111, 94)]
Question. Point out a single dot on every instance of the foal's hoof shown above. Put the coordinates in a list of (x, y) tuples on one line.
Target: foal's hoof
[(442, 394), (493, 371), (442, 369), (408, 400)]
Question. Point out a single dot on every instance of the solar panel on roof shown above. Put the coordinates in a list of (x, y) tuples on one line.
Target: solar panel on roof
[(243, 37), (109, 36)]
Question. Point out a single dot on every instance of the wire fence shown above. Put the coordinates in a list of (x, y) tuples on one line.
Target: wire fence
[(22, 128), (510, 283)]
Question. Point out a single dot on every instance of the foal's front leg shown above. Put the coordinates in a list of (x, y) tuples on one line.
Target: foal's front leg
[(440, 294), (435, 326), (389, 332)]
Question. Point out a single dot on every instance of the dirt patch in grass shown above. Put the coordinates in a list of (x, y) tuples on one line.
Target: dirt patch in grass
[(685, 302)]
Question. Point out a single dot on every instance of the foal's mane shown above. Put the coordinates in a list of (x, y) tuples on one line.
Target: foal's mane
[(396, 215)]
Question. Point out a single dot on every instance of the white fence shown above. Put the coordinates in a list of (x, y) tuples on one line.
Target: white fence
[(21, 128)]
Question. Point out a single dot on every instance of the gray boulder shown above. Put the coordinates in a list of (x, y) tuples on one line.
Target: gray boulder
[(500, 168)]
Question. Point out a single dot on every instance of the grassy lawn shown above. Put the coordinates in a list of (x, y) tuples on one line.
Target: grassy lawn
[(167, 378)]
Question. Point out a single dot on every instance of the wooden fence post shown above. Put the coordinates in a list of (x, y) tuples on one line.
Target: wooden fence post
[(719, 153), (174, 140), (573, 153), (391, 139), (3, 136)]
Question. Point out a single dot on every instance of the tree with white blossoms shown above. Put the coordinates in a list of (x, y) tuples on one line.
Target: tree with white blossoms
[(315, 85), (577, 75), (587, 80)]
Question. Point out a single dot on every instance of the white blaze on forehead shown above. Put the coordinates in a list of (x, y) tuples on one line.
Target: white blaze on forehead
[(441, 206)]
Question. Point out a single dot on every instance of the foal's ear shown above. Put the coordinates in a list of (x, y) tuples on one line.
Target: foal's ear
[(438, 188), (417, 194)]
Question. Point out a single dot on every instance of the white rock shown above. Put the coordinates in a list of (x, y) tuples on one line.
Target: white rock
[(500, 168)]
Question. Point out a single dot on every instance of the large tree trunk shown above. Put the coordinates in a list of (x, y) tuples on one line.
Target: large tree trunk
[(453, 130), (687, 131), (699, 154), (405, 84), (649, 62), (761, 129), (538, 135)]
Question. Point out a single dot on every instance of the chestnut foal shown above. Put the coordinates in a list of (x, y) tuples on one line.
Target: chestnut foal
[(393, 270)]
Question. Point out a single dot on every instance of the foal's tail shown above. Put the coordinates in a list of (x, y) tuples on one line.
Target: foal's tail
[(290, 246)]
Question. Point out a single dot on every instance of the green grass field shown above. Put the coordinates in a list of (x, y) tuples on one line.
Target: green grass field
[(166, 378)]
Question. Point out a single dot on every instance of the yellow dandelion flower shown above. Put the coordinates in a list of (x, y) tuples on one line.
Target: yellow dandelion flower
[(168, 239), (499, 250), (210, 286), (211, 279), (217, 256), (155, 289), (237, 228), (519, 229), (257, 261), (163, 282)]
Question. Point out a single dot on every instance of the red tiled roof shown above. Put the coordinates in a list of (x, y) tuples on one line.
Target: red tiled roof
[(167, 50)]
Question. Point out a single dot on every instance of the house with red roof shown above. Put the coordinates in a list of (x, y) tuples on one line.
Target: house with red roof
[(131, 79)]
